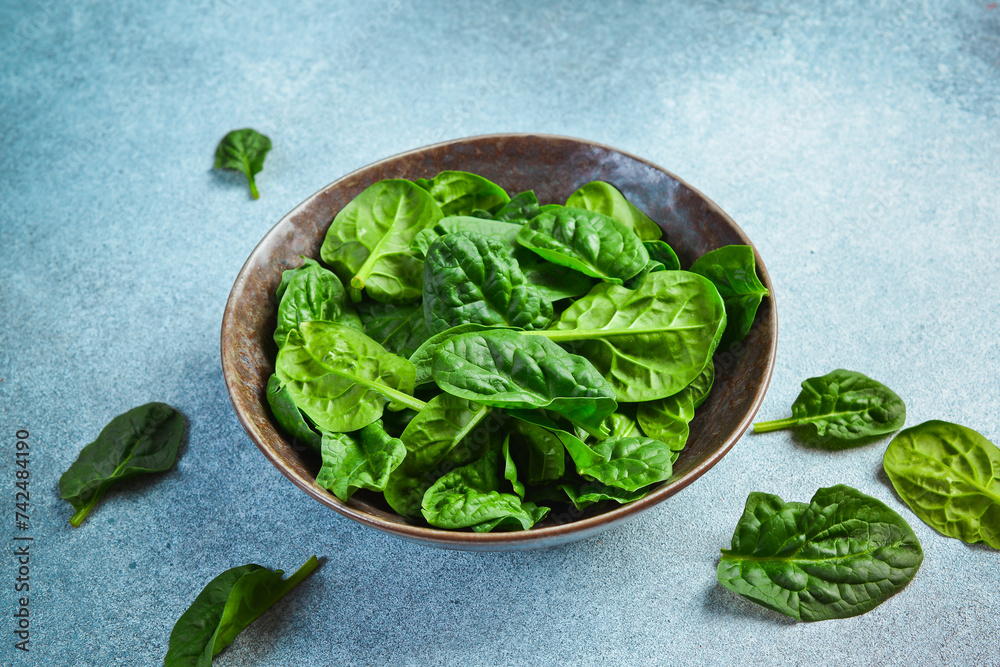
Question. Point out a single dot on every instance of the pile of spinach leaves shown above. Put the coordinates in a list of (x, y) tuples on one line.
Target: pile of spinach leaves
[(481, 359)]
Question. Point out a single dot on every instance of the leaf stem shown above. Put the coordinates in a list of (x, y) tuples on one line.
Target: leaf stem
[(766, 427), (82, 513), (253, 188)]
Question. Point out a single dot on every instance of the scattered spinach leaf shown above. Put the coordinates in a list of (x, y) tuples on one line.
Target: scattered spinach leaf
[(143, 440), (949, 475), (841, 555), (244, 151)]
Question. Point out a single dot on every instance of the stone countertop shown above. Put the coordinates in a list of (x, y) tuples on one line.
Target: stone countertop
[(856, 143)]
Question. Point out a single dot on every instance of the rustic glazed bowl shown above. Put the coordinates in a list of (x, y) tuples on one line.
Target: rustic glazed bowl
[(553, 167)]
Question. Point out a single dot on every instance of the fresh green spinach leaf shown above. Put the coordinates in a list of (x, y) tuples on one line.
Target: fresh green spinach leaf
[(585, 241), (552, 280), (584, 493), (661, 252), (360, 460), (341, 378), (423, 357), (143, 440), (510, 470), (949, 475), (843, 406), (521, 208), (461, 193), (841, 555), (288, 415), (224, 608), (629, 463), (399, 328), (668, 419), (310, 293), (469, 278), (542, 453), (368, 243), (244, 151), (734, 271), (605, 198)]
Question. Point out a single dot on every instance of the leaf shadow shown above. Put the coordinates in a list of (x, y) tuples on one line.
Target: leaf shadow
[(226, 179), (721, 601)]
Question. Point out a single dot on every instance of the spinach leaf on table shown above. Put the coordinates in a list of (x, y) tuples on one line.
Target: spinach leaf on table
[(341, 378), (649, 342), (243, 150), (470, 496), (841, 555), (508, 369), (585, 241), (461, 193), (469, 278), (288, 415), (143, 440), (368, 243), (399, 328), (310, 293), (448, 433), (843, 406), (733, 269), (224, 608), (607, 199), (949, 475), (360, 460)]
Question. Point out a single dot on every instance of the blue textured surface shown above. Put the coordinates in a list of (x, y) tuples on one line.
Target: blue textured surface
[(856, 143)]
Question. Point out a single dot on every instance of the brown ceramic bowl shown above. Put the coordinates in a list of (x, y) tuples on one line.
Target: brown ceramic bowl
[(553, 167)]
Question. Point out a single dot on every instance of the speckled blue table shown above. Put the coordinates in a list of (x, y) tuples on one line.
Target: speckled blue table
[(856, 143)]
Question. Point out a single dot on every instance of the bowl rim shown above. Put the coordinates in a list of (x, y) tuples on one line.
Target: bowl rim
[(539, 537)]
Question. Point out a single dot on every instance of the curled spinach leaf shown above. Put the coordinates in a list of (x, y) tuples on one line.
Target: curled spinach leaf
[(949, 475), (661, 252), (243, 150), (461, 193), (468, 278), (841, 555), (289, 416), (310, 293), (399, 328), (585, 241), (360, 460), (368, 243), (544, 452), (649, 342), (843, 406), (584, 493), (224, 608), (507, 369), (605, 198), (341, 378), (733, 269), (143, 440), (510, 470)]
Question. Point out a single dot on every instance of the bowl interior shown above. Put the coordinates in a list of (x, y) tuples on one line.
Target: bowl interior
[(553, 167)]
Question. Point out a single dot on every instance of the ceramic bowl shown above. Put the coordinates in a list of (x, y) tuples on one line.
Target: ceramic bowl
[(553, 167)]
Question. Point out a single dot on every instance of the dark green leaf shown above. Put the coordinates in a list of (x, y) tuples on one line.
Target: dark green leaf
[(605, 198), (368, 243), (507, 369), (360, 460), (312, 294), (504, 233), (842, 555), (341, 378), (469, 278), (224, 608), (510, 470), (733, 270), (585, 493), (460, 193), (628, 463), (545, 454), (949, 475), (521, 208), (243, 150), (843, 405), (586, 241), (288, 415), (663, 253), (552, 280), (667, 419), (650, 342), (399, 328), (423, 357), (143, 440)]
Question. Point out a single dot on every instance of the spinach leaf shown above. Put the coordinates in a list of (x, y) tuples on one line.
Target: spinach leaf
[(605, 198), (510, 470), (552, 280), (584, 493), (243, 150), (360, 460), (507, 369), (650, 342), (224, 608), (470, 496), (652, 266), (423, 357), (622, 425), (399, 328), (504, 233), (544, 453), (585, 241), (341, 378), (310, 293), (460, 193), (667, 419), (661, 252), (368, 243), (628, 463), (448, 433), (521, 208), (733, 270), (841, 555), (949, 475), (288, 415), (143, 440), (469, 278), (843, 406)]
